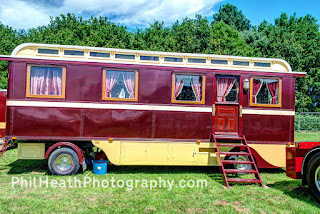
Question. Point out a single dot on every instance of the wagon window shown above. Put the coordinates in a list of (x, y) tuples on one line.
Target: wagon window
[(45, 81), (188, 88), (227, 89), (120, 85), (265, 92)]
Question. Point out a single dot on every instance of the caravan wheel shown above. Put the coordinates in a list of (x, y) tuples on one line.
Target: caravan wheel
[(313, 176), (63, 161)]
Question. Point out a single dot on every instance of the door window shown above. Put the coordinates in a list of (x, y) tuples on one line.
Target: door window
[(227, 89)]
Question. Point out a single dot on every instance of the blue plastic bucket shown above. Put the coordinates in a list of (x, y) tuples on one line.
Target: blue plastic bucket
[(100, 167)]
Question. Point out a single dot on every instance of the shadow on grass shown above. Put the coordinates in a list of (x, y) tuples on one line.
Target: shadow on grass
[(295, 190), (28, 166)]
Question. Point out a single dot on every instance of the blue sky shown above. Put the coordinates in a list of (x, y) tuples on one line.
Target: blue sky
[(24, 14), (258, 10)]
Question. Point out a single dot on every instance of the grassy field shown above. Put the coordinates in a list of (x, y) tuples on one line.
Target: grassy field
[(283, 195)]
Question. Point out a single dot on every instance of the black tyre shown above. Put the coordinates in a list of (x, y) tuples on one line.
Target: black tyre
[(313, 176), (63, 161)]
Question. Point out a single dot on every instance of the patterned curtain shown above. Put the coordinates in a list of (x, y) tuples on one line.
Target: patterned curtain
[(111, 79), (178, 87), (196, 87), (224, 86), (129, 82), (45, 81)]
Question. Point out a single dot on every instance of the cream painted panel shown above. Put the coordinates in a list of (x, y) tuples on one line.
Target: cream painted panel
[(134, 152), (157, 152), (112, 150), (184, 152), (31, 150), (273, 154)]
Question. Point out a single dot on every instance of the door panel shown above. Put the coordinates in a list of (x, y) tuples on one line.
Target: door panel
[(227, 119), (220, 124)]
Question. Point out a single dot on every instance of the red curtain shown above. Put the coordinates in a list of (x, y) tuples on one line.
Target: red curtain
[(255, 89), (273, 87)]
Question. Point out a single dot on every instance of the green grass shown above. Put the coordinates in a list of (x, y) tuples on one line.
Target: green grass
[(283, 195), (306, 136)]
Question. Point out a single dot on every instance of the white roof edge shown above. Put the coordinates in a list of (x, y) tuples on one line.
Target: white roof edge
[(299, 72), (19, 47)]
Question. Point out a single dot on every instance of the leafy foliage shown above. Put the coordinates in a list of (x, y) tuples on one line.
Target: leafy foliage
[(230, 15), (294, 39)]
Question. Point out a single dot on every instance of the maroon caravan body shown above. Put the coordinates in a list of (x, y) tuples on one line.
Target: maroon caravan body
[(144, 107)]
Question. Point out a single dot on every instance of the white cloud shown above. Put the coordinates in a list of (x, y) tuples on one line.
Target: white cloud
[(30, 13), (21, 15)]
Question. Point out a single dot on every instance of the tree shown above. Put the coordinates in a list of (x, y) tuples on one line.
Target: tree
[(228, 41), (156, 37), (297, 40), (9, 40), (229, 14)]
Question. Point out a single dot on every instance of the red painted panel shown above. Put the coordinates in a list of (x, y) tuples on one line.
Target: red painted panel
[(2, 133), (9, 119), (232, 125), (182, 125), (266, 127), (34, 121), (299, 161), (155, 86), (3, 97), (19, 81), (227, 118), (308, 145), (117, 123), (84, 83), (291, 163), (220, 126)]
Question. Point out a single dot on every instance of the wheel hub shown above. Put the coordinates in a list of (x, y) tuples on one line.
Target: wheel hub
[(241, 166), (64, 162)]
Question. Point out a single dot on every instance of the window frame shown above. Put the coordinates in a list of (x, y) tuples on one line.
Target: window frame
[(63, 92), (104, 71), (263, 104), (188, 102), (237, 78)]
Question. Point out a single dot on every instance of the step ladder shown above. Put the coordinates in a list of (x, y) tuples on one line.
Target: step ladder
[(242, 149)]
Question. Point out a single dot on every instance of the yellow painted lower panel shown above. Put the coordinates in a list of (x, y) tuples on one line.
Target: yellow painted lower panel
[(178, 154), (272, 153)]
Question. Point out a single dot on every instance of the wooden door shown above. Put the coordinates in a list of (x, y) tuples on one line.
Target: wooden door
[(227, 119)]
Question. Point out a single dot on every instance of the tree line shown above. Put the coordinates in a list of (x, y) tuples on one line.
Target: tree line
[(294, 39)]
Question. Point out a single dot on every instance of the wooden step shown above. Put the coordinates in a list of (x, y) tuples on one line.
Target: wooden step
[(236, 162), (240, 171), (229, 137), (231, 145), (243, 180), (235, 153)]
